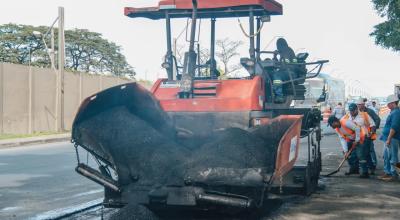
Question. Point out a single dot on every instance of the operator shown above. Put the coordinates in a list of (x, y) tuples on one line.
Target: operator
[(286, 55), (371, 160), (374, 107), (367, 125), (349, 133), (215, 72)]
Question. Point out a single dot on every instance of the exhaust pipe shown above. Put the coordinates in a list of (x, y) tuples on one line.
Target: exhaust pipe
[(97, 177), (189, 63), (238, 202)]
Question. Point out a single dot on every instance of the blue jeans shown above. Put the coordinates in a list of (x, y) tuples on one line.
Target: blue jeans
[(363, 153), (353, 161), (359, 157), (371, 160), (391, 157)]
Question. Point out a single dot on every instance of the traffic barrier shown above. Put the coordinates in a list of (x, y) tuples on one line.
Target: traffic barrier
[(326, 115), (384, 111)]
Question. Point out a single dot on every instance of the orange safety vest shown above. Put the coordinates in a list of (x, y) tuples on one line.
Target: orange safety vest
[(366, 120), (348, 134)]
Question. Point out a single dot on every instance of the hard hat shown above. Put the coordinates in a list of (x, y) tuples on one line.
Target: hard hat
[(392, 98), (352, 107), (332, 119), (360, 101)]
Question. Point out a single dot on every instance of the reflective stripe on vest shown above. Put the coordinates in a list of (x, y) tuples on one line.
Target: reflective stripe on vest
[(347, 133), (368, 125), (366, 122)]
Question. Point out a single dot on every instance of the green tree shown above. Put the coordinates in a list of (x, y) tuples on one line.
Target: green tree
[(85, 51), (19, 45), (89, 52), (387, 33)]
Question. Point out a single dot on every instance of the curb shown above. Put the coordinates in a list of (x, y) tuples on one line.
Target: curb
[(34, 140)]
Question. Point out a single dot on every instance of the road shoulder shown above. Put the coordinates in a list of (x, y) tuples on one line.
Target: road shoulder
[(7, 143)]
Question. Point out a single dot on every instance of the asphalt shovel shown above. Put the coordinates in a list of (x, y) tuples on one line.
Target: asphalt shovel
[(346, 156)]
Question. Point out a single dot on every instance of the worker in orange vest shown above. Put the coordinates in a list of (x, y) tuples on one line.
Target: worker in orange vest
[(373, 117), (351, 132), (367, 126)]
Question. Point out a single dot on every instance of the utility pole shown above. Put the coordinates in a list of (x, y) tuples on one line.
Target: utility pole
[(53, 57), (61, 63)]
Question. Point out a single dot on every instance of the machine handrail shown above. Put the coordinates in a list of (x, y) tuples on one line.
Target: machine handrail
[(319, 64)]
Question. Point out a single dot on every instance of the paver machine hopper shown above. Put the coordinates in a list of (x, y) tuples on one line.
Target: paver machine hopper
[(195, 141)]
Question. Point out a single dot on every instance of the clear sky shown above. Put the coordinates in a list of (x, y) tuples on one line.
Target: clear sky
[(337, 30)]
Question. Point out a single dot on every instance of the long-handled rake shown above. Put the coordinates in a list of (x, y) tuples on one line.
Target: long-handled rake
[(346, 156)]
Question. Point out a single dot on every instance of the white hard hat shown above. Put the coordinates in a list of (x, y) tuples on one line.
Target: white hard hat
[(360, 101), (392, 98)]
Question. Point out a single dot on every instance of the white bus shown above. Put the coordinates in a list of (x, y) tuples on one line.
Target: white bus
[(333, 87)]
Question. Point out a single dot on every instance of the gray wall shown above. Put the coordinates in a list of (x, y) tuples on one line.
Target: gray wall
[(28, 97)]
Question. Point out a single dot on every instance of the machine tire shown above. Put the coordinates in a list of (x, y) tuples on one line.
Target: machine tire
[(319, 164), (308, 183), (134, 212)]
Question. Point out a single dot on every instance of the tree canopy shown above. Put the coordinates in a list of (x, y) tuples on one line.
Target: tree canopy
[(85, 51), (387, 33)]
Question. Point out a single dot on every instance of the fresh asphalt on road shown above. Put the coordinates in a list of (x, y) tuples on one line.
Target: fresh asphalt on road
[(39, 181)]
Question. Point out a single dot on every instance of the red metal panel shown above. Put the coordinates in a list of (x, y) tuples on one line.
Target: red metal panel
[(231, 95), (288, 148), (270, 6)]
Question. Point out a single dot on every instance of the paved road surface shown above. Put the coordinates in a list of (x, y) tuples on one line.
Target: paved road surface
[(41, 178)]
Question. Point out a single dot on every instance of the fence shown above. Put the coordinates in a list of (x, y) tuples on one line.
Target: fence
[(28, 97)]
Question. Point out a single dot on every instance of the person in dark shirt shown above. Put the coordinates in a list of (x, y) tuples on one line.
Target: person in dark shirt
[(371, 160), (286, 55), (391, 137), (215, 73), (285, 52)]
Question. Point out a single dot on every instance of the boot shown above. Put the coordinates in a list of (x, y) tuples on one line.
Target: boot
[(352, 171), (372, 171), (279, 99)]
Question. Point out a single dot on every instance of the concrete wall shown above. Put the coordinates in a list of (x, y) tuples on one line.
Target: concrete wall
[(28, 97)]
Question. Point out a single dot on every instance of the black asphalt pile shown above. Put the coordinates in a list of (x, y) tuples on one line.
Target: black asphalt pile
[(145, 156), (234, 148), (139, 151)]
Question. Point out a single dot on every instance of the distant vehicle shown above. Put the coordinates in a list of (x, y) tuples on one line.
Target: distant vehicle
[(315, 87), (397, 90)]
